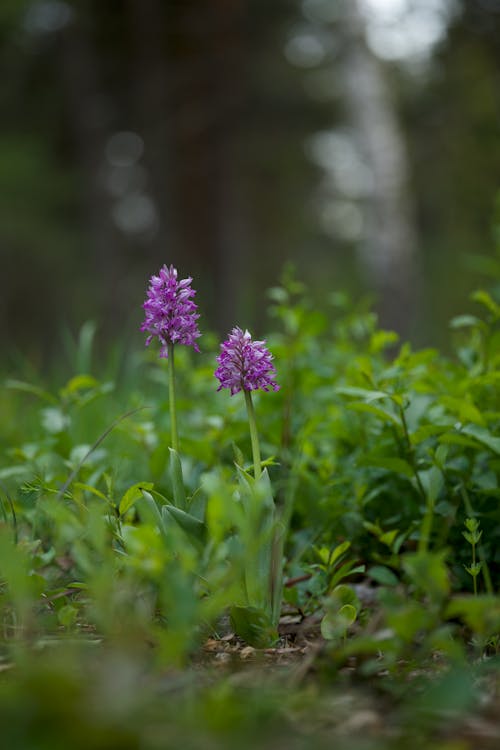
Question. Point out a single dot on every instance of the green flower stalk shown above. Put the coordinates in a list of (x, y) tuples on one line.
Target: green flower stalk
[(171, 398), (254, 437)]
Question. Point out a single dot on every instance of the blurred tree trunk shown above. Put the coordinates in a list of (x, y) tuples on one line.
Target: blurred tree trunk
[(151, 93), (88, 112), (388, 255), (208, 103)]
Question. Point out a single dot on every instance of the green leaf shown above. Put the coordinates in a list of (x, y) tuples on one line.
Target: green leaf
[(381, 340), (481, 613), (474, 569), (92, 490), (239, 458), (408, 619), (383, 575), (466, 321), (482, 436), (463, 409), (428, 571), (455, 438), (349, 568), (432, 481), (388, 537), (188, 523), (383, 414), (441, 455), (132, 495), (398, 465), (67, 615), (177, 480), (335, 624), (340, 595), (338, 552), (485, 299), (428, 430), (364, 393), (18, 385), (79, 383), (149, 513)]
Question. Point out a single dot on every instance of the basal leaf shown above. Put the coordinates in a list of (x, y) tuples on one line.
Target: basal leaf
[(177, 479), (193, 527)]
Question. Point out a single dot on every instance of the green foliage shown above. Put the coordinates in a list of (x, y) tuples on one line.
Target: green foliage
[(385, 470)]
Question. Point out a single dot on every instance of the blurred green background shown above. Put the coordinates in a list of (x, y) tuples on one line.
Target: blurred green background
[(357, 138)]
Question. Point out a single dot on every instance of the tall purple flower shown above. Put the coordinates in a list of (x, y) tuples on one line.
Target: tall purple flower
[(245, 364), (170, 311)]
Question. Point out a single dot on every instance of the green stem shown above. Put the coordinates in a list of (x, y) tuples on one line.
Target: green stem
[(171, 398), (411, 453), (426, 528), (484, 566), (257, 467), (474, 567)]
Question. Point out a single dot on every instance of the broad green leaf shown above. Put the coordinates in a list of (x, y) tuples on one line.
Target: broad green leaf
[(383, 575), (132, 495), (335, 624), (340, 595)]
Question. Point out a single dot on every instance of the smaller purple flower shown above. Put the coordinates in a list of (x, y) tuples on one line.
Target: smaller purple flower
[(245, 364), (170, 311)]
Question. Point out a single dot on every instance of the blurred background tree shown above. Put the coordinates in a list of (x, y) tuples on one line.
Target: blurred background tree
[(357, 138)]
